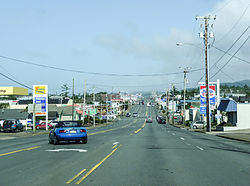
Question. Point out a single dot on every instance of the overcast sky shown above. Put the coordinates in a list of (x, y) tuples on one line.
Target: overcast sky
[(122, 37)]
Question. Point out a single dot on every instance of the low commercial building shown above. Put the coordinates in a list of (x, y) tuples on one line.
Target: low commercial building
[(237, 114)]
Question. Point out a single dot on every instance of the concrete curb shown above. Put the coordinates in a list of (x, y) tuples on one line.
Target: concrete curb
[(233, 138)]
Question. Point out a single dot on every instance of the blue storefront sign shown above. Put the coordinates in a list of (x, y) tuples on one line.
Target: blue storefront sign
[(42, 101)]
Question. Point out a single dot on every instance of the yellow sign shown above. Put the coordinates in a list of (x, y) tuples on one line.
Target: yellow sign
[(16, 91), (40, 90)]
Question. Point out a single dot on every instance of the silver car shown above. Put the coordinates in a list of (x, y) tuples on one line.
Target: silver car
[(199, 124)]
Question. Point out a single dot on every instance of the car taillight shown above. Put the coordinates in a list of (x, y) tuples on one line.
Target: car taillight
[(62, 131), (82, 130)]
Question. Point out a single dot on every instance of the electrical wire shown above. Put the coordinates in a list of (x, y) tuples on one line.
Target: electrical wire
[(215, 64), (91, 73), (231, 57), (235, 24), (23, 85), (218, 10), (243, 60)]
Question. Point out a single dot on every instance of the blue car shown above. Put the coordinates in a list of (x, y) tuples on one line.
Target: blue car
[(68, 131)]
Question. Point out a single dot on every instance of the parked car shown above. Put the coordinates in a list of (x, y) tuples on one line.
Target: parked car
[(68, 131), (12, 125), (135, 114), (149, 119), (128, 114), (199, 124), (53, 123), (160, 119), (43, 126), (30, 124)]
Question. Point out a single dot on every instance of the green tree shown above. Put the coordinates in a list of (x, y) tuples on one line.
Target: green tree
[(65, 90)]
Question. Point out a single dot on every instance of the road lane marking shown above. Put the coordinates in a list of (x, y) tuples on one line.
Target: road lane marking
[(104, 131), (140, 128), (115, 144), (96, 166), (13, 152), (6, 138), (182, 138), (173, 133), (188, 144), (199, 148), (66, 150), (72, 179)]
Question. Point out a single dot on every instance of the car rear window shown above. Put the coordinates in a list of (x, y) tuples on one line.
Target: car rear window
[(69, 124)]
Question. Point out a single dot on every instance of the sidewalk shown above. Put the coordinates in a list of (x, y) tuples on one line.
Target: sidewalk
[(240, 135)]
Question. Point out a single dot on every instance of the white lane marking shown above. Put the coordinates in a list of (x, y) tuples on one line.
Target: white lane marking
[(173, 133), (115, 143), (199, 148), (188, 144), (64, 150), (182, 138), (6, 138)]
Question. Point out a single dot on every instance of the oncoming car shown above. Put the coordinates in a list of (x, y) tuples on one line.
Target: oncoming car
[(68, 131), (149, 119)]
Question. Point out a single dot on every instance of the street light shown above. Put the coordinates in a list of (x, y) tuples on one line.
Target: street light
[(192, 44)]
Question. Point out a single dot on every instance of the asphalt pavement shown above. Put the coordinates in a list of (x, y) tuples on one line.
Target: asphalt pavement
[(127, 152)]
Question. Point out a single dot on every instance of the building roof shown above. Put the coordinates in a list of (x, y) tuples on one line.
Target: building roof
[(14, 114), (228, 105)]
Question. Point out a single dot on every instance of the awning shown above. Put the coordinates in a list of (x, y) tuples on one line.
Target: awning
[(228, 105)]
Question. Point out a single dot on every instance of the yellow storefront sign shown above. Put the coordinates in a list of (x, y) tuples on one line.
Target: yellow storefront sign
[(16, 91), (40, 90)]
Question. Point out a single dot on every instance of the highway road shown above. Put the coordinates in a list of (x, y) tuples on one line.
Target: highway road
[(127, 152)]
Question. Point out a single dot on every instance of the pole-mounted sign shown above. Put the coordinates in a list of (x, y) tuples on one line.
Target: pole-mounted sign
[(40, 97)]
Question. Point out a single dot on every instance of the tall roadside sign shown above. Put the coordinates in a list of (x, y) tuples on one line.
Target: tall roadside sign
[(40, 97)]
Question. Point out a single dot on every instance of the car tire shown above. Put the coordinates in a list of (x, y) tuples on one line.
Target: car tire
[(85, 140), (37, 128), (56, 141), (50, 141)]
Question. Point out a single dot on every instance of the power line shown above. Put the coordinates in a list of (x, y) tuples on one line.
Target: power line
[(218, 10), (91, 73), (231, 57), (230, 47), (243, 60), (224, 53), (235, 24), (23, 85)]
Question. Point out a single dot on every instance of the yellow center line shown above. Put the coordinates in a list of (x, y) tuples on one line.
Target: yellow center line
[(96, 166), (140, 128), (114, 146), (72, 179), (104, 131), (13, 152)]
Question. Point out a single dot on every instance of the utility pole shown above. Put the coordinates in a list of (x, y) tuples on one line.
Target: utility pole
[(173, 103), (94, 106), (168, 104), (107, 108), (84, 103), (205, 36), (73, 101), (34, 118), (185, 71)]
